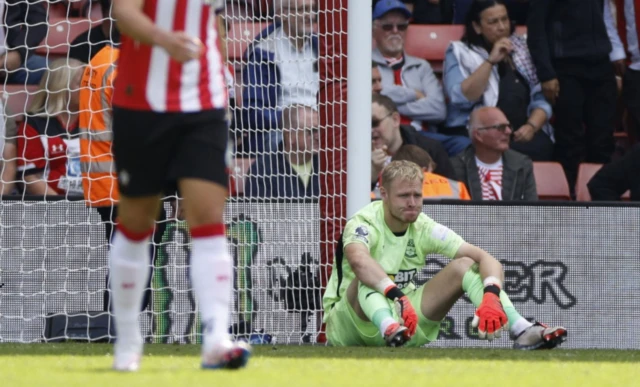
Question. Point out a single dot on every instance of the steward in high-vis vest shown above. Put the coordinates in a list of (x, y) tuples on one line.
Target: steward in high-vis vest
[(99, 179)]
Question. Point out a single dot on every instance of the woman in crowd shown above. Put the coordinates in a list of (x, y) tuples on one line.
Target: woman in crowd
[(492, 66), (48, 140)]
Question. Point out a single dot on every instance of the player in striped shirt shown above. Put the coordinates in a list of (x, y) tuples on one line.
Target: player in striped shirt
[(169, 129)]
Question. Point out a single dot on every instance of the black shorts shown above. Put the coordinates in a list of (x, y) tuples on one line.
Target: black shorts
[(154, 150)]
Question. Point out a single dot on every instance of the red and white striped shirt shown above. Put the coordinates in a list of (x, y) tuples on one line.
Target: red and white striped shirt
[(149, 79), (490, 179)]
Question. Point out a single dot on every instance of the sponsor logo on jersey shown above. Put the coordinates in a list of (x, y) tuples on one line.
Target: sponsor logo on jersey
[(410, 251), (404, 277), (361, 233)]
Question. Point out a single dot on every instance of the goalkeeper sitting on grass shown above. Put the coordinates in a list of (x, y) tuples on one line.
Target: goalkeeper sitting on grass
[(371, 300)]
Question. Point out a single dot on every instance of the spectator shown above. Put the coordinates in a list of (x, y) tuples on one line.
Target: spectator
[(614, 179), (489, 168), (26, 28), (87, 44), (389, 135), (376, 78), (9, 138), (491, 66), (407, 80), (626, 39), (434, 186), (570, 48), (48, 140), (281, 70), (292, 171)]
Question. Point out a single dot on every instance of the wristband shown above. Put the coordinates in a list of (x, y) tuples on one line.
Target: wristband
[(531, 125), (491, 280), (383, 285), (394, 293), (490, 62), (493, 289)]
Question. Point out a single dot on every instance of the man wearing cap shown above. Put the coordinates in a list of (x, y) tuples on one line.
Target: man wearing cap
[(409, 81)]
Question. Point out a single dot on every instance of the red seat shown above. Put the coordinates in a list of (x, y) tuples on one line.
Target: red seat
[(585, 173), (238, 171), (430, 42), (17, 99), (551, 182), (61, 33)]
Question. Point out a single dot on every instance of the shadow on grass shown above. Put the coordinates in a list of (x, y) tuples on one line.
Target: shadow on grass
[(322, 352)]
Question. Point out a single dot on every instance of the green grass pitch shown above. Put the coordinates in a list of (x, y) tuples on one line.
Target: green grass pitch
[(88, 365)]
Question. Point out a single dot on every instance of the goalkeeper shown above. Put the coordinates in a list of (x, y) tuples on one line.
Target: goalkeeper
[(370, 298)]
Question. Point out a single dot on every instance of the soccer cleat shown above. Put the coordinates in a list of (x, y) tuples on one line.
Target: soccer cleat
[(396, 335), (227, 355), (540, 336), (126, 362)]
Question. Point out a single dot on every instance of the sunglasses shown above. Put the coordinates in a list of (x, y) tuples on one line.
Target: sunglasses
[(376, 122), (500, 127), (389, 26)]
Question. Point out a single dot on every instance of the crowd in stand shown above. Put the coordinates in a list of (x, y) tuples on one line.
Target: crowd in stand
[(503, 102)]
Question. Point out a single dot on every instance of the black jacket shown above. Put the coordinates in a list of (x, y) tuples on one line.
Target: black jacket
[(614, 179), (26, 25), (518, 182), (433, 147), (565, 29), (272, 176)]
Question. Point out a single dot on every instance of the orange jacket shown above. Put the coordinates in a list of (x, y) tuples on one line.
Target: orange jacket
[(99, 179), (438, 187)]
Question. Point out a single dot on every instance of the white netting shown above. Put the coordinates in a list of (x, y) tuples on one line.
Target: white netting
[(53, 250)]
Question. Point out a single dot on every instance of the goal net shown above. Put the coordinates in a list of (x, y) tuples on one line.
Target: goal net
[(287, 89)]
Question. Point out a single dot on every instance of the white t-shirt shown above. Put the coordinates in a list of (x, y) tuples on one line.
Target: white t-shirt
[(490, 179)]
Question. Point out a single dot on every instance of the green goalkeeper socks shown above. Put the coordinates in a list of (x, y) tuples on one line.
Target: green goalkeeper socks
[(375, 306), (473, 286)]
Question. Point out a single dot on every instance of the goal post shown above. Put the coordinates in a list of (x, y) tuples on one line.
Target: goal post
[(53, 250)]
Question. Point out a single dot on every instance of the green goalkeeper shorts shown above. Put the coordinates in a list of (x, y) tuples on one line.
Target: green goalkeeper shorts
[(345, 328)]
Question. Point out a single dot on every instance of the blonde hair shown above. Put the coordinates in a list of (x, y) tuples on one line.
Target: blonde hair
[(401, 169), (54, 89)]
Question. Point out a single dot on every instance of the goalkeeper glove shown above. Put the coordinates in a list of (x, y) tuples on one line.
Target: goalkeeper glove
[(490, 318), (405, 310)]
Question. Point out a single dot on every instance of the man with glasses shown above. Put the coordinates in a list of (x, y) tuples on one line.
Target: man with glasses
[(488, 167), (292, 171), (409, 81), (388, 135)]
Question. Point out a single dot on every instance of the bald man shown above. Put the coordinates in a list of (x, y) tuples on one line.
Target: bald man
[(488, 167)]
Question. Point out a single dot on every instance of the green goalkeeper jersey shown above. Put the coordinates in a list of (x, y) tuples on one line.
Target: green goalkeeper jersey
[(402, 257)]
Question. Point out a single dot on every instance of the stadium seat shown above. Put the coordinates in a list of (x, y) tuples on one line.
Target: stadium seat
[(585, 173), (238, 171), (551, 182), (430, 42), (17, 99), (61, 33), (241, 34)]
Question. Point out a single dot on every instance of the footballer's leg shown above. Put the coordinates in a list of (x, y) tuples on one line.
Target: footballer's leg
[(129, 259), (201, 169), (525, 334), (141, 162), (442, 291), (371, 306)]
